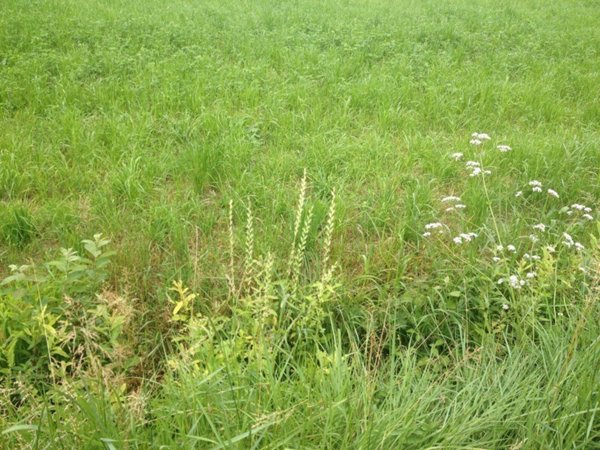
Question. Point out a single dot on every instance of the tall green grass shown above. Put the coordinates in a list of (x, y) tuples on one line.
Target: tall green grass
[(183, 132)]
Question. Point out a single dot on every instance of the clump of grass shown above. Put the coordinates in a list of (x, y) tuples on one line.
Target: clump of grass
[(17, 226)]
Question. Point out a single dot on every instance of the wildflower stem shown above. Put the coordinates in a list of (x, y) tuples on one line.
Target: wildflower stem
[(489, 203)]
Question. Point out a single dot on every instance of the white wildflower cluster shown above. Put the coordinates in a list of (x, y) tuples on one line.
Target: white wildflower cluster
[(456, 207), (514, 281), (434, 226), (540, 227), (517, 281), (580, 207), (536, 186), (569, 242), (453, 199), (464, 237), (501, 249), (584, 211), (479, 138), (526, 273), (506, 255), (539, 232), (510, 248), (475, 169)]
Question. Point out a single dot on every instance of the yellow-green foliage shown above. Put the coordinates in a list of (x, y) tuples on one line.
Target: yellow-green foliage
[(52, 315), (271, 312)]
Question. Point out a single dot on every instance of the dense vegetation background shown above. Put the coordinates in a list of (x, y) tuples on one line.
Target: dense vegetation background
[(264, 176)]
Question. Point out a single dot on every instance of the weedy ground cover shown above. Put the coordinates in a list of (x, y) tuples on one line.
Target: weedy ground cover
[(338, 224)]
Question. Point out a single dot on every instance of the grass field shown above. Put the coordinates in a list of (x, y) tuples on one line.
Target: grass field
[(303, 245)]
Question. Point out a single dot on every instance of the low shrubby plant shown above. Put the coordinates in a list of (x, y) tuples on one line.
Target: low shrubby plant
[(54, 318)]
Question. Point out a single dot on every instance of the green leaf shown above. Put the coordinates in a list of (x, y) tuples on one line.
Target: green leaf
[(20, 427), (109, 443), (59, 351), (91, 248)]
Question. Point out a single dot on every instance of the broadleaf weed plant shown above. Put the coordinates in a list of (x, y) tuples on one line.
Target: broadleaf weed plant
[(52, 318)]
